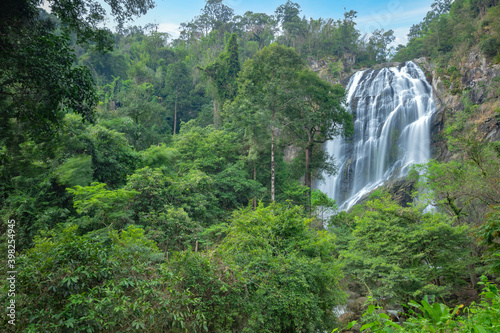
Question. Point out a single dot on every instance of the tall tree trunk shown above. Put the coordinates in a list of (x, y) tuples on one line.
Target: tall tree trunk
[(272, 164), (216, 114), (255, 179), (272, 156), (175, 112), (307, 177)]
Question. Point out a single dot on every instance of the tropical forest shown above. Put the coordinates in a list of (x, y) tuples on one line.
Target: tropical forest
[(256, 172)]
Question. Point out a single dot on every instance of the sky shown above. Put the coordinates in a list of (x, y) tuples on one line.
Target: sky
[(398, 15)]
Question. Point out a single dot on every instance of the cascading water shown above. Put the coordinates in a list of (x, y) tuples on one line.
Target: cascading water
[(392, 109)]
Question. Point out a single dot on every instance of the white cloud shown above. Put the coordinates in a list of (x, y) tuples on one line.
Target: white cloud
[(400, 34), (45, 5), (390, 17), (394, 16), (387, 16), (171, 28)]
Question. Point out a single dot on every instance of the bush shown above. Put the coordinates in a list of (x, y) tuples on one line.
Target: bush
[(403, 253), (490, 46), (93, 283), (289, 270), (437, 317)]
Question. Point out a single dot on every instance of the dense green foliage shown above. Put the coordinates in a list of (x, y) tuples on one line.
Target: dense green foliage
[(85, 283), (413, 252), (164, 185), (438, 317), (452, 28), (292, 277)]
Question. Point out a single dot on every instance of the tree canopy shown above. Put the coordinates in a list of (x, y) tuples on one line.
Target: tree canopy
[(161, 184)]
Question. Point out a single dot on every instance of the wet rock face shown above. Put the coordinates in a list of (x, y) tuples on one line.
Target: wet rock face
[(439, 150), (347, 317), (400, 190), (357, 305), (478, 74)]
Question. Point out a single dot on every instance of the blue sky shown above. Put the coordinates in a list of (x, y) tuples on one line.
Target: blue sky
[(398, 15)]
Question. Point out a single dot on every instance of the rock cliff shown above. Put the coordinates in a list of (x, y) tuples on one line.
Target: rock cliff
[(478, 80)]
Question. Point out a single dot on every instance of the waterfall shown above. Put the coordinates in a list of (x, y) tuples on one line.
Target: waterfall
[(392, 109)]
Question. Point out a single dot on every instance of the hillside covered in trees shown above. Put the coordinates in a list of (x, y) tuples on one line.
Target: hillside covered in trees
[(159, 184)]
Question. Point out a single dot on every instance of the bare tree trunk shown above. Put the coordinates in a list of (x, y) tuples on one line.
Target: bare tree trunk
[(255, 179), (272, 164), (216, 114), (307, 177), (175, 113)]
